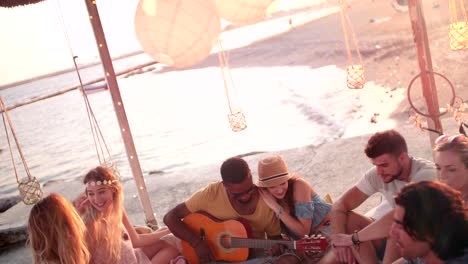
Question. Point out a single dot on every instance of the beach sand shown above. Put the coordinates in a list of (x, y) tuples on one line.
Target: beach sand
[(389, 54)]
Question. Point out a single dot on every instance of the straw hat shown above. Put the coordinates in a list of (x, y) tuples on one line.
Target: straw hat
[(272, 171)]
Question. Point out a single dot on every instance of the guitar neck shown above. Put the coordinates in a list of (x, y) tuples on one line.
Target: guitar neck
[(258, 243)]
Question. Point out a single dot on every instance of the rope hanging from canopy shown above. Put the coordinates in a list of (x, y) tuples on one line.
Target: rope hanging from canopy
[(458, 31), (355, 72), (102, 151), (235, 116), (29, 187)]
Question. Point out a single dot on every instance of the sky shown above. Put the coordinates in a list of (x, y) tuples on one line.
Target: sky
[(35, 42), (42, 37)]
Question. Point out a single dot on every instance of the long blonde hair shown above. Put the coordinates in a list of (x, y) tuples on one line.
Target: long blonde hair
[(105, 231), (56, 232)]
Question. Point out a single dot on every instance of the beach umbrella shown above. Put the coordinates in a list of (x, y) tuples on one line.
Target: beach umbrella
[(243, 12), (14, 3), (179, 33)]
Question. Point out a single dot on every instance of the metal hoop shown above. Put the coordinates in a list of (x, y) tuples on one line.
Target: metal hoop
[(443, 77)]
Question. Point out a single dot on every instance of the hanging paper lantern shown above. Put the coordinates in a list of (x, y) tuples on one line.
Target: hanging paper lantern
[(179, 33), (243, 12), (355, 77)]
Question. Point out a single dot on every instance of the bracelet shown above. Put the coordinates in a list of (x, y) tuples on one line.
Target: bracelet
[(280, 211), (355, 239)]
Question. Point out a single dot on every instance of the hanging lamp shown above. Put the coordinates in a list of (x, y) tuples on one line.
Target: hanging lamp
[(243, 12), (29, 187), (177, 33), (236, 117), (458, 31), (355, 78)]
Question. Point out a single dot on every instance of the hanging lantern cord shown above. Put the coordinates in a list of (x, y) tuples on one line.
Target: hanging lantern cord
[(345, 20), (98, 137), (225, 68), (26, 168), (454, 11)]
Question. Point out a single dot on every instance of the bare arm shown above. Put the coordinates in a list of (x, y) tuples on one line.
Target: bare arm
[(173, 220), (302, 193), (376, 230), (141, 240), (346, 203)]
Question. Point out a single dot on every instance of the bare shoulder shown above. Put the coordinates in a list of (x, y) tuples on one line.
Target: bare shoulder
[(302, 189)]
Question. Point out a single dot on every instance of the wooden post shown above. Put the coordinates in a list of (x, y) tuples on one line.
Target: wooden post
[(425, 65), (120, 112)]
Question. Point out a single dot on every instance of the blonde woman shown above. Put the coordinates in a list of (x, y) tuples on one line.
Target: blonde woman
[(56, 232), (110, 241), (451, 156)]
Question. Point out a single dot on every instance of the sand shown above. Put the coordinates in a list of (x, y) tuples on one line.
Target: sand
[(389, 54)]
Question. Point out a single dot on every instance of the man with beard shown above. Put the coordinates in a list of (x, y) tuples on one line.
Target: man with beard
[(234, 197), (393, 168), (430, 225)]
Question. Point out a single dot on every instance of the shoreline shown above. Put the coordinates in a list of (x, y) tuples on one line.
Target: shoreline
[(80, 67)]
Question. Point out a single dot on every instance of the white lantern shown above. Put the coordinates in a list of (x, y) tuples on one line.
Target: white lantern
[(178, 33), (243, 12)]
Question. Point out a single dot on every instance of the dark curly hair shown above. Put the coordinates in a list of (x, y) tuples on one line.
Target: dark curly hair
[(234, 170), (434, 212)]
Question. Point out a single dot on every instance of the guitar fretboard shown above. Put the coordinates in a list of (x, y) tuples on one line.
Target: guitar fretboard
[(258, 243)]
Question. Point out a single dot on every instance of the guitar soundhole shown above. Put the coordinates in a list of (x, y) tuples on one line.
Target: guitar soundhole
[(224, 242)]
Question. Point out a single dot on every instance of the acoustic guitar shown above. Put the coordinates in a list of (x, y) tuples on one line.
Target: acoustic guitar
[(229, 240)]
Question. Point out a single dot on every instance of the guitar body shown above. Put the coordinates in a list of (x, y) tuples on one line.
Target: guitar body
[(218, 234)]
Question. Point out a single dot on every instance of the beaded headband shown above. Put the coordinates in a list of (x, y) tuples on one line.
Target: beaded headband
[(97, 183)]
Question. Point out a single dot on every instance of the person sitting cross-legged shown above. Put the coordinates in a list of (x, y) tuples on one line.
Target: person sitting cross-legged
[(236, 196), (393, 169), (110, 235), (301, 210)]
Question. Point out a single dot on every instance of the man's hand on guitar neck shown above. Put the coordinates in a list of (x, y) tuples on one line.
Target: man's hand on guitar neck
[(203, 251)]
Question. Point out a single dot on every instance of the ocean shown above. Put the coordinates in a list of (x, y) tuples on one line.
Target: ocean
[(178, 119)]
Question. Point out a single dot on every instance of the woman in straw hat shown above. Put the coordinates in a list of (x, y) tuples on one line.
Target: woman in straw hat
[(301, 210)]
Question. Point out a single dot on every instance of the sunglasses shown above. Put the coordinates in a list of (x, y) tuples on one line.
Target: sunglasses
[(449, 139)]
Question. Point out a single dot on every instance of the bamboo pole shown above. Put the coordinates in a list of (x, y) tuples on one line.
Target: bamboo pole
[(120, 112), (421, 41)]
